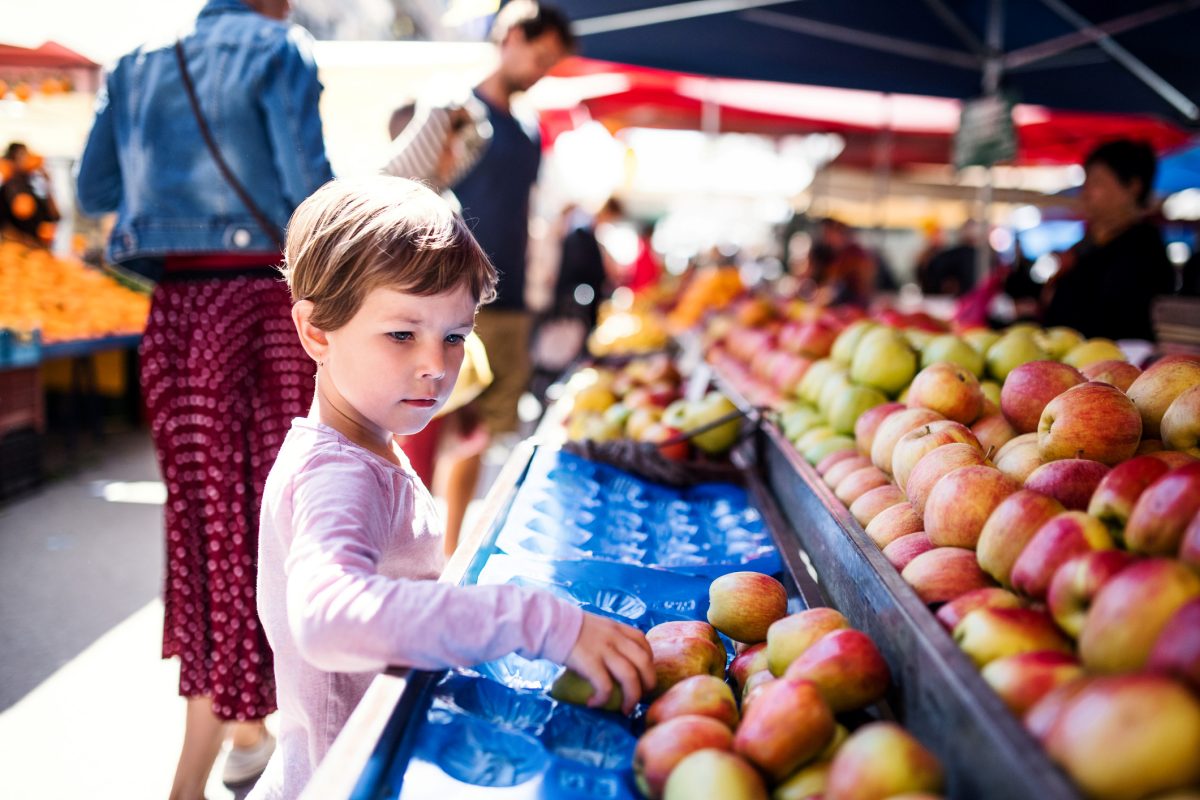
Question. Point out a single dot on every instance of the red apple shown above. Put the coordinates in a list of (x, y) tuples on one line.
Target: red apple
[(685, 629), (847, 668), (1177, 650), (791, 636), (1076, 582), (753, 684), (859, 482), (869, 422), (882, 760), (1120, 374), (1131, 610), (893, 428), (678, 659), (1114, 498), (993, 432), (829, 461), (1189, 548), (869, 505), (892, 523), (702, 695), (1092, 420), (949, 390), (934, 466), (961, 503), (661, 749), (815, 339), (714, 773), (992, 597), (660, 434), (1157, 387), (1180, 424), (788, 723), (904, 549), (1009, 529), (1040, 719), (789, 371), (1070, 481), (742, 605), (1019, 457), (1174, 458), (1163, 511), (1030, 387), (987, 634), (1024, 679), (1063, 537), (751, 660), (840, 471), (924, 439), (944, 573)]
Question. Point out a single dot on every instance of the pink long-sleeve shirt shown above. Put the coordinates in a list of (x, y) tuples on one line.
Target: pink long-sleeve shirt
[(350, 547)]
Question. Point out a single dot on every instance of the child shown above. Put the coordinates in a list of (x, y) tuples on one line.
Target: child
[(386, 281)]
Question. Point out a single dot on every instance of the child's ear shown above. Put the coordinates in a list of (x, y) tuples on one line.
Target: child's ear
[(314, 340)]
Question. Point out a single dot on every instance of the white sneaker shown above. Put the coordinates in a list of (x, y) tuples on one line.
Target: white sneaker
[(245, 764)]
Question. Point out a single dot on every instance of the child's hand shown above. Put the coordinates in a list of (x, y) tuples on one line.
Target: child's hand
[(606, 650)]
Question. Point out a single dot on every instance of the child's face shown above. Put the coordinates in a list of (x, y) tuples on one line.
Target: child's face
[(395, 362)]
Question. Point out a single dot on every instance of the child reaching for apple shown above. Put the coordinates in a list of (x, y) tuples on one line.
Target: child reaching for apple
[(385, 281)]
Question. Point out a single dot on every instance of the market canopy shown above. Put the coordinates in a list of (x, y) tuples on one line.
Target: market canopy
[(1133, 56), (50, 56)]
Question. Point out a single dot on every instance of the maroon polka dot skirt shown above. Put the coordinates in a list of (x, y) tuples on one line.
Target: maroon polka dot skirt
[(223, 375)]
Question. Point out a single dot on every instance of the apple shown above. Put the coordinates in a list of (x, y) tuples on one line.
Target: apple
[(1041, 717), (1120, 374), (948, 389), (742, 605), (1070, 481), (1060, 539), (934, 466), (991, 394), (810, 385), (751, 660), (1177, 650), (1019, 457), (981, 338), (641, 420), (1175, 458), (685, 629), (904, 549), (881, 760), (1092, 420), (1189, 548), (848, 340), (840, 471), (789, 371), (1180, 424), (846, 667), (753, 685), (987, 634), (1008, 530), (951, 349), (1030, 387), (869, 422), (815, 339), (837, 382), (1157, 387), (1011, 351), (944, 573), (714, 773), (678, 659), (1023, 679), (665, 437), (808, 783), (788, 638), (893, 429), (1131, 610), (788, 723), (923, 439), (884, 360), (813, 435), (869, 505), (858, 483), (799, 419), (712, 407), (991, 597), (814, 453), (1129, 736), (892, 523), (702, 695), (1162, 512), (1093, 351), (993, 432), (1113, 500), (571, 687), (961, 503), (1059, 340), (851, 403), (663, 747), (833, 459), (1076, 582)]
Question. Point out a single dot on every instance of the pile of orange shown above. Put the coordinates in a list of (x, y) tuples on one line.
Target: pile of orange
[(712, 288), (65, 298)]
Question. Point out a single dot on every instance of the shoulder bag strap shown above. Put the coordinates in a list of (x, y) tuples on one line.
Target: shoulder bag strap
[(267, 226)]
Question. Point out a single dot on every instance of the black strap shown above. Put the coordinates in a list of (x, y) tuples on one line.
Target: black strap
[(267, 226)]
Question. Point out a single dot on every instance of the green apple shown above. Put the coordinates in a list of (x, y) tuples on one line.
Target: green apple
[(847, 341), (1011, 351), (949, 347), (812, 436), (884, 360), (850, 403), (1091, 351), (1058, 341), (571, 687), (981, 338), (714, 773), (991, 391), (837, 381), (825, 447), (797, 419), (712, 407), (809, 388), (918, 338)]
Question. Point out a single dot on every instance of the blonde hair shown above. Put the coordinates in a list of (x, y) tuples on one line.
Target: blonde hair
[(352, 236)]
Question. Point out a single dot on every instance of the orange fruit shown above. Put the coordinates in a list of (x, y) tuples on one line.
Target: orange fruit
[(23, 205)]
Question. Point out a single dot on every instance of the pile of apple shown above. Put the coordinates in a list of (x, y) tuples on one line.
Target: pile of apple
[(641, 401), (793, 675), (1058, 536)]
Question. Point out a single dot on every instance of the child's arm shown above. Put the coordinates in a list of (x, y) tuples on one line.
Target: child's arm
[(607, 650)]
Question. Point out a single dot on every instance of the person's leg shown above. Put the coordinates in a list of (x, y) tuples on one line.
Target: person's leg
[(247, 735), (202, 737)]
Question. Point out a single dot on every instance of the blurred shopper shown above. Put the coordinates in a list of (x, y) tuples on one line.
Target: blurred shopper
[(204, 147), (27, 208), (952, 271), (1108, 281), (495, 196), (847, 275)]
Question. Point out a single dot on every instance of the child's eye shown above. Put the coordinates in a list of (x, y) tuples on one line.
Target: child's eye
[(401, 336), (455, 338)]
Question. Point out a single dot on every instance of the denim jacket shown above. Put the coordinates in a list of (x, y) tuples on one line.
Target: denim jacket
[(257, 85)]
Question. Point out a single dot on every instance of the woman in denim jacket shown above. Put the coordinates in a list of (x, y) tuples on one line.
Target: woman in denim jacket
[(222, 370)]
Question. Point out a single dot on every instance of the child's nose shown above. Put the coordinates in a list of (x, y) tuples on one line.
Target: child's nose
[(433, 364)]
